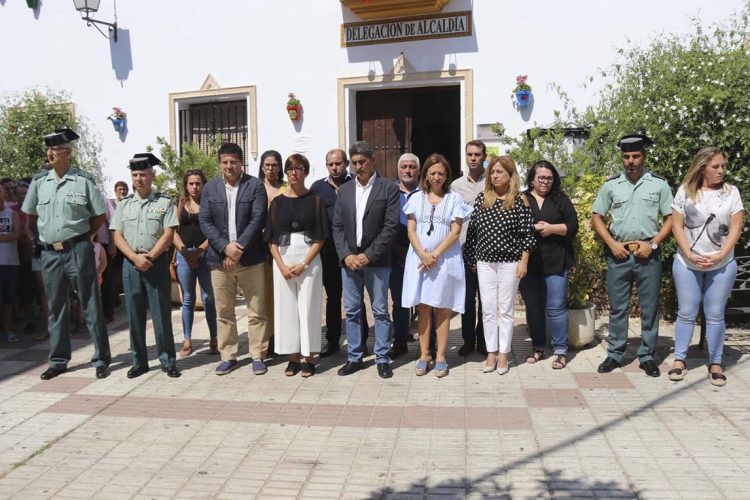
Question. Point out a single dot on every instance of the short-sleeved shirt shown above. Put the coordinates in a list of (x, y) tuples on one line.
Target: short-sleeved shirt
[(142, 221), (706, 221), (469, 190), (64, 208), (635, 206)]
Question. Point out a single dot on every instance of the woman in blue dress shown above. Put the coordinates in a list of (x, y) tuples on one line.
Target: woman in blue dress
[(434, 270)]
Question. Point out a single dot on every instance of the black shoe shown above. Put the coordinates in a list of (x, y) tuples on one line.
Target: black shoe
[(650, 367), (330, 351), (465, 349), (137, 372), (102, 372), (351, 367), (52, 372), (398, 350), (608, 365), (366, 351), (172, 371), (482, 349), (384, 370)]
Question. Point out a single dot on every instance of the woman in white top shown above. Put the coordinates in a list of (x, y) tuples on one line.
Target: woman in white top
[(707, 220), (434, 268)]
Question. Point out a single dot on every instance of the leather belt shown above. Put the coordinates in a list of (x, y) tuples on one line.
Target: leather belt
[(63, 246)]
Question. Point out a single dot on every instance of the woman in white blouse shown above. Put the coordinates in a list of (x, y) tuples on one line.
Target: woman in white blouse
[(707, 220)]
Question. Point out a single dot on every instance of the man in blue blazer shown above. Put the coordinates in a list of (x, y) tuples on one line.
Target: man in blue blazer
[(365, 225), (232, 215)]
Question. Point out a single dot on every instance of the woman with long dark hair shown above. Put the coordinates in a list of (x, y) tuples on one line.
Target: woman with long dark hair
[(191, 246), (707, 217), (545, 287)]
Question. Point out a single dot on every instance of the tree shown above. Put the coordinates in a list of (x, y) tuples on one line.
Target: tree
[(26, 117), (173, 166)]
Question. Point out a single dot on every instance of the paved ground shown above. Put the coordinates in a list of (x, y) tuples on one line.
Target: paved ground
[(532, 433)]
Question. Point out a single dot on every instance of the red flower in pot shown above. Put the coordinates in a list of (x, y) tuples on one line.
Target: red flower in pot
[(294, 107)]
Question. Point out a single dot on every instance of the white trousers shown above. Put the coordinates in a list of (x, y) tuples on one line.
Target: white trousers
[(298, 303), (498, 285)]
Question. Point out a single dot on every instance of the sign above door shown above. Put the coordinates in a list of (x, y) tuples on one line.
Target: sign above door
[(407, 29)]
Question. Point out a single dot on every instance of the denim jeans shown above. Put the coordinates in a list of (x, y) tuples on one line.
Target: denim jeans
[(714, 287), (547, 293), (187, 277), (376, 280)]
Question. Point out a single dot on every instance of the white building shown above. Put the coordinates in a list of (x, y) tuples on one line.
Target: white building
[(183, 69)]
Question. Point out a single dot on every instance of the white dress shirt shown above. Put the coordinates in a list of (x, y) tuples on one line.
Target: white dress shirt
[(232, 210), (361, 194)]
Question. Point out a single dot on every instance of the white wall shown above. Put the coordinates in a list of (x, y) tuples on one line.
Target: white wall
[(287, 46)]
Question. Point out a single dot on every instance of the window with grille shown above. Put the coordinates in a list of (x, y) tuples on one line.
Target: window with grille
[(227, 120)]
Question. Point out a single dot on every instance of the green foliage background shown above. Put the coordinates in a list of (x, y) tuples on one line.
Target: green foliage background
[(26, 117), (174, 166)]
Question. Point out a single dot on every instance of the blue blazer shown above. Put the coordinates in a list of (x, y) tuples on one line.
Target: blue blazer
[(251, 208)]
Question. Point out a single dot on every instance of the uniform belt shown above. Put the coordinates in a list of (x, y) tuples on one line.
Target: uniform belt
[(63, 246)]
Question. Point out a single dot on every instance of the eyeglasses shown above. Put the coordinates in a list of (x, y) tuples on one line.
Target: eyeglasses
[(432, 226), (270, 167), (298, 168), (541, 178)]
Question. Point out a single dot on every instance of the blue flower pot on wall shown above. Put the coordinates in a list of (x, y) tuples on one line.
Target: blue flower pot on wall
[(118, 124), (523, 97)]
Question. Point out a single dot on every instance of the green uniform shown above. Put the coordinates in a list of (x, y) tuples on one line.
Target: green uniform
[(65, 207), (635, 208), (142, 223)]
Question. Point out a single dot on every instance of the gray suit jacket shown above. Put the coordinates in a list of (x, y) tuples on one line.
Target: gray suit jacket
[(379, 225)]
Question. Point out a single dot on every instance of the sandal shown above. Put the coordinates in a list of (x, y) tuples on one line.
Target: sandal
[(560, 362), (11, 337), (187, 348), (441, 369), (535, 356), (308, 370), (423, 366), (677, 374), (292, 368), (213, 346), (717, 379)]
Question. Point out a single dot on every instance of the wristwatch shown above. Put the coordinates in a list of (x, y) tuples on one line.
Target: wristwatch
[(654, 245)]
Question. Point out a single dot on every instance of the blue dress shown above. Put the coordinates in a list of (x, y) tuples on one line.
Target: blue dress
[(444, 285)]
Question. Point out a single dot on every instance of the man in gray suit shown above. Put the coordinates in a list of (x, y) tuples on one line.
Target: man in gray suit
[(365, 225)]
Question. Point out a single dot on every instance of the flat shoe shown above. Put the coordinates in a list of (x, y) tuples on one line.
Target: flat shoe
[(560, 362), (172, 371), (102, 372), (535, 356), (137, 372), (52, 372), (677, 374), (717, 379), (187, 349)]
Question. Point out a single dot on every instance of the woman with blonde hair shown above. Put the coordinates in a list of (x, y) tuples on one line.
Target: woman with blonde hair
[(707, 220), (499, 241)]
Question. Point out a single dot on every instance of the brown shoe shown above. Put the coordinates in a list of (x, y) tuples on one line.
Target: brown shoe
[(187, 349), (213, 346)]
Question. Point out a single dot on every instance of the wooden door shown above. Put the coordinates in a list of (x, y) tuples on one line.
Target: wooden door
[(384, 121)]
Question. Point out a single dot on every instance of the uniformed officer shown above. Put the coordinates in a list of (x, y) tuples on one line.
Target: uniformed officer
[(143, 227), (69, 208), (635, 199)]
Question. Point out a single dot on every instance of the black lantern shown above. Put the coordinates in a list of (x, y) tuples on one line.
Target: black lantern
[(89, 7)]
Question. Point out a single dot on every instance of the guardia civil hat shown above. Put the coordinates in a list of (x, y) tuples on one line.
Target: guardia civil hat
[(634, 142), (59, 137), (142, 161)]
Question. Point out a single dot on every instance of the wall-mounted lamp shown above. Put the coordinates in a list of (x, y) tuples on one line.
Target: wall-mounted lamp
[(89, 7)]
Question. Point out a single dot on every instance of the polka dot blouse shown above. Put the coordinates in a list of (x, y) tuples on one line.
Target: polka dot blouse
[(499, 235)]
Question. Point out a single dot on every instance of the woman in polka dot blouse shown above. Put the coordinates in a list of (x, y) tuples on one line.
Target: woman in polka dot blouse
[(499, 241)]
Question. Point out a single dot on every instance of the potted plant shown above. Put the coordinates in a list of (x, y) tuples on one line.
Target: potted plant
[(587, 273), (293, 107), (119, 119), (522, 92)]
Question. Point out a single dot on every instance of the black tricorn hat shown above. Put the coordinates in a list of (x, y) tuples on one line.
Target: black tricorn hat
[(142, 161), (634, 142), (60, 136)]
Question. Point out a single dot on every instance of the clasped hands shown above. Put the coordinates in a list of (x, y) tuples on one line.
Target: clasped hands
[(640, 249), (356, 262), (232, 254), (704, 261)]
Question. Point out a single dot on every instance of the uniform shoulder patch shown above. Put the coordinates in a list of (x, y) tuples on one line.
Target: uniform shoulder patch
[(128, 196), (656, 176), (84, 174), (612, 177), (40, 175)]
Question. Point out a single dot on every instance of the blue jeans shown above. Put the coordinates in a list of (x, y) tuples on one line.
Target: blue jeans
[(714, 287), (187, 277), (376, 281), (547, 293)]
